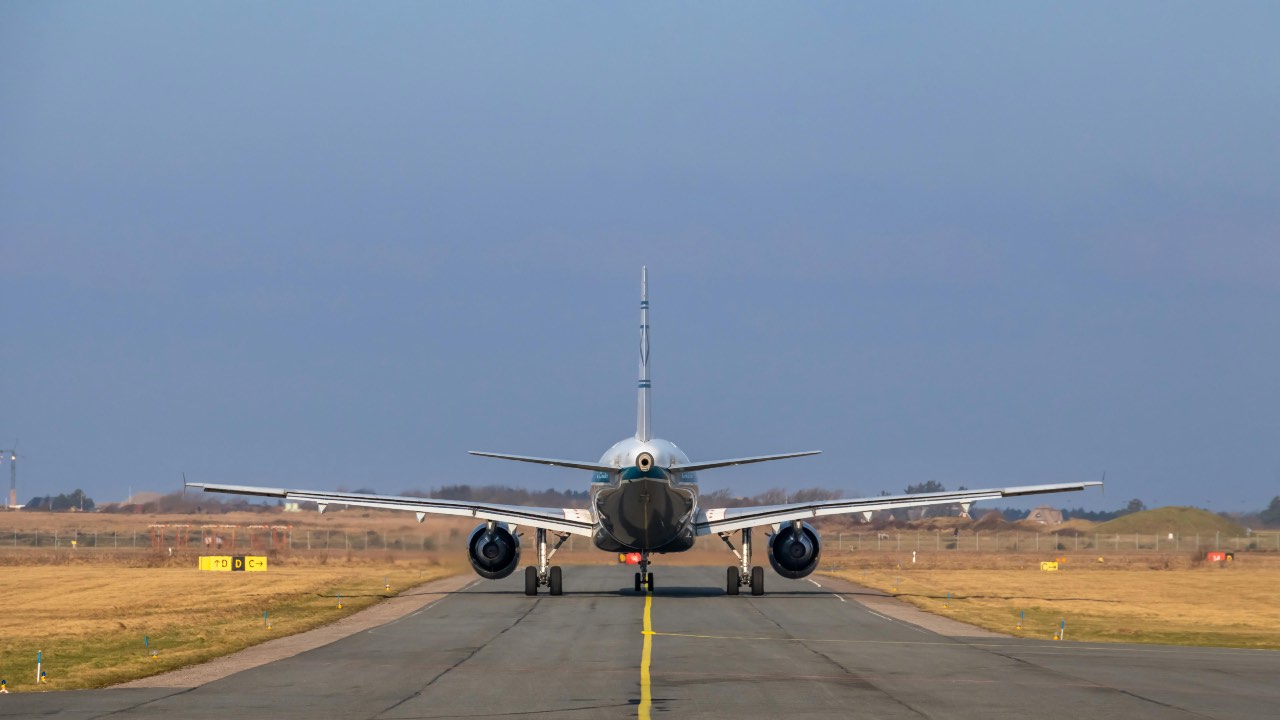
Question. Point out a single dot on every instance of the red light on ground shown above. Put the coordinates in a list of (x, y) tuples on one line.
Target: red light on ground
[(633, 558)]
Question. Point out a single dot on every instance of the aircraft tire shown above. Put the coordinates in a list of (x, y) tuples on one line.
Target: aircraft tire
[(531, 580), (734, 583), (557, 587), (637, 582), (648, 581), (757, 581)]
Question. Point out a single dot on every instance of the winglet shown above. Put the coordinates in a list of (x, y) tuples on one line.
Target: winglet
[(643, 431)]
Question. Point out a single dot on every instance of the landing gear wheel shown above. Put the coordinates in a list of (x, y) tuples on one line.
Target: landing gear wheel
[(648, 581), (556, 587), (531, 580), (734, 582), (757, 581), (638, 583)]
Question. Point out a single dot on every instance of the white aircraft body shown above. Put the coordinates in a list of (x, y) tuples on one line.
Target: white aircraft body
[(644, 499)]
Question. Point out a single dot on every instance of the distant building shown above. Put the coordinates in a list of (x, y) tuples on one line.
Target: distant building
[(1045, 515)]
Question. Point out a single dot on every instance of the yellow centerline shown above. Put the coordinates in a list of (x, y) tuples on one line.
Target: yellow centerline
[(646, 694)]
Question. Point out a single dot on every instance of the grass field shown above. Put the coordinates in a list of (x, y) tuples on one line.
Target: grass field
[(90, 618), (1137, 599), (88, 609)]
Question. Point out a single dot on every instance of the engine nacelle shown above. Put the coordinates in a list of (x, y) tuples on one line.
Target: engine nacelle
[(493, 554), (794, 554)]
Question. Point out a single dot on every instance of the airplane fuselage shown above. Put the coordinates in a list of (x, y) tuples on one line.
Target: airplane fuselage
[(646, 505)]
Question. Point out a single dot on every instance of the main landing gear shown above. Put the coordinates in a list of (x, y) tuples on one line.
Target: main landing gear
[(545, 574), (644, 578), (744, 575)]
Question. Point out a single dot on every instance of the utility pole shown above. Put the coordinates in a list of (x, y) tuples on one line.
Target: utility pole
[(12, 456)]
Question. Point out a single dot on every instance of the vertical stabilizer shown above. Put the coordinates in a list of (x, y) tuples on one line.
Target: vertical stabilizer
[(642, 406)]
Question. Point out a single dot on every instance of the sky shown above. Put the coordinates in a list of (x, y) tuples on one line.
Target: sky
[(316, 245)]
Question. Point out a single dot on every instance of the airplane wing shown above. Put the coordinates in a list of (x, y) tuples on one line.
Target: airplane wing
[(718, 520), (565, 520)]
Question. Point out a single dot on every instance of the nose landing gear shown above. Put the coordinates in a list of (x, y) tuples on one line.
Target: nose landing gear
[(644, 578)]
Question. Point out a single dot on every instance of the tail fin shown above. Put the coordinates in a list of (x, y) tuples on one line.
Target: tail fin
[(642, 403)]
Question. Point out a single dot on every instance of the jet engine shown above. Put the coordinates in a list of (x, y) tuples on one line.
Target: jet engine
[(644, 462), (794, 550), (494, 554)]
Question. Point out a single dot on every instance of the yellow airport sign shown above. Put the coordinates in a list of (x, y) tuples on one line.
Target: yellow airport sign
[(1049, 566), (215, 563), (233, 563)]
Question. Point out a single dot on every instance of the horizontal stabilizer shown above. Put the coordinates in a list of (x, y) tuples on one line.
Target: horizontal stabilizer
[(577, 464), (695, 467)]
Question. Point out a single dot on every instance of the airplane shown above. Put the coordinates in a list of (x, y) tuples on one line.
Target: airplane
[(643, 500)]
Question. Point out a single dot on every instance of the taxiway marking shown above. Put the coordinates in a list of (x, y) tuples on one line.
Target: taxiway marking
[(646, 694), (893, 620)]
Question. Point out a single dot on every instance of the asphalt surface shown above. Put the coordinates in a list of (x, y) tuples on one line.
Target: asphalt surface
[(800, 651)]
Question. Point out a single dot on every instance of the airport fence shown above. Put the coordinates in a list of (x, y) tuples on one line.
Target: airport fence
[(227, 538), (1004, 541)]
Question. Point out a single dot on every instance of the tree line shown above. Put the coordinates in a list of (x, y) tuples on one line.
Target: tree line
[(200, 502)]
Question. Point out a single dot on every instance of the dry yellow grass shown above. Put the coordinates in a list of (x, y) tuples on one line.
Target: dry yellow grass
[(90, 619), (1177, 601)]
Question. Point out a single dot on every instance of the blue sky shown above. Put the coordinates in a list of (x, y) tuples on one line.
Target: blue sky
[(315, 245)]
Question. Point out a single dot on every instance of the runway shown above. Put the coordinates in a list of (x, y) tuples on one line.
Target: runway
[(800, 651)]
